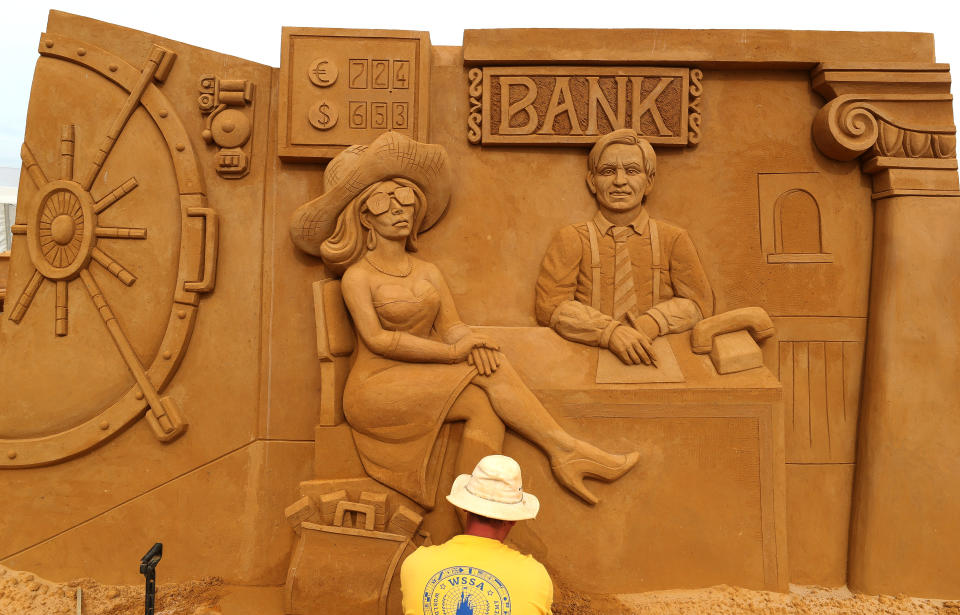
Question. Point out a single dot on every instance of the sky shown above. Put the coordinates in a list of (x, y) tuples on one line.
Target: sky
[(254, 34)]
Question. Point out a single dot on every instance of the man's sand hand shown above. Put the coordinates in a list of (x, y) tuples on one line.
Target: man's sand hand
[(631, 346)]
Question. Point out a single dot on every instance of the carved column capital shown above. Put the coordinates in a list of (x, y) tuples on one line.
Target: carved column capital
[(897, 118)]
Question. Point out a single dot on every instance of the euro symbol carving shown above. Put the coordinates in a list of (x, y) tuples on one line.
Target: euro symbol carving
[(323, 72), (323, 115)]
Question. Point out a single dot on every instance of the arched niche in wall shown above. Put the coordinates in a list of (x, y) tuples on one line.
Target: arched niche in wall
[(791, 222), (797, 233)]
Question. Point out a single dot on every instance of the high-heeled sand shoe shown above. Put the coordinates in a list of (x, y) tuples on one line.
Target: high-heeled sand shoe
[(571, 473)]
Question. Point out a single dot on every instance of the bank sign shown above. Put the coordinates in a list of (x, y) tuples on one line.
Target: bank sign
[(554, 105)]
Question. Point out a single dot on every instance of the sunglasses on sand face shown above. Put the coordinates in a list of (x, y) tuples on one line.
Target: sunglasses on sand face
[(380, 202)]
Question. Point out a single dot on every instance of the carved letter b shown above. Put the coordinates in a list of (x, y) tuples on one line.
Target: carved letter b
[(507, 110)]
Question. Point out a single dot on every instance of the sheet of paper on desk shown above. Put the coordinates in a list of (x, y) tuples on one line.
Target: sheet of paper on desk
[(610, 370)]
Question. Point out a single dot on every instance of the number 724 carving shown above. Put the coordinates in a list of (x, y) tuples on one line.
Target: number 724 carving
[(379, 74)]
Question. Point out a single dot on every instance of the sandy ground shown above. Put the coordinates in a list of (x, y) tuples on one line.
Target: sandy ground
[(725, 600), (23, 593)]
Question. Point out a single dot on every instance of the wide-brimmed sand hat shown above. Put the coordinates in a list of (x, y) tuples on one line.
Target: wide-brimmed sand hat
[(495, 490), (357, 167)]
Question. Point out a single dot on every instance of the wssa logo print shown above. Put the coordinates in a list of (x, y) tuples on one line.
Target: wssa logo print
[(462, 590)]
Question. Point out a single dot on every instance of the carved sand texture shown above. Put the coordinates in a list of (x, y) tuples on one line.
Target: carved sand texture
[(23, 593)]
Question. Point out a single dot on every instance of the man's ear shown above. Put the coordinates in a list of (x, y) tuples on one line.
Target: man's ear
[(591, 183), (649, 187)]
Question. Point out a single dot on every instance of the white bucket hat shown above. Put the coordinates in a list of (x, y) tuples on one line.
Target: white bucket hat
[(495, 490)]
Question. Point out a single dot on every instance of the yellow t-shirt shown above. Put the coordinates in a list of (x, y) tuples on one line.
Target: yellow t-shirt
[(470, 575)]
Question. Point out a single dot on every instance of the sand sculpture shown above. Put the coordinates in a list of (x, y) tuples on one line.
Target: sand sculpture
[(772, 401)]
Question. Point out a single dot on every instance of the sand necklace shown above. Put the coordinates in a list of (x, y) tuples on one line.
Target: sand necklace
[(389, 273)]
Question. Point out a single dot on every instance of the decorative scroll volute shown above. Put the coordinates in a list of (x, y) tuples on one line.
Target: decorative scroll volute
[(896, 111), (851, 125), (844, 129)]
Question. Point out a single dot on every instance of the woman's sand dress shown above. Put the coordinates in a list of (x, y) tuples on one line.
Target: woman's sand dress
[(397, 409)]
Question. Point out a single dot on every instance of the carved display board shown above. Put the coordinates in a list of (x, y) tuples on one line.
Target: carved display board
[(344, 87), (574, 105)]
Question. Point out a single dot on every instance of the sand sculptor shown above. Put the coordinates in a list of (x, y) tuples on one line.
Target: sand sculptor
[(475, 572)]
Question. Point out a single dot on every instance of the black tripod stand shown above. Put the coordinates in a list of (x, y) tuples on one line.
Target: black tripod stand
[(148, 568)]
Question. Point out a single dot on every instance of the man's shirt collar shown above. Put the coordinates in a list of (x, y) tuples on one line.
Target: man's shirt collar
[(639, 223)]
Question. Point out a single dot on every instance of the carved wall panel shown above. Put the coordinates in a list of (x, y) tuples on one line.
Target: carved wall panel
[(60, 221), (815, 400), (70, 383), (818, 522), (820, 363)]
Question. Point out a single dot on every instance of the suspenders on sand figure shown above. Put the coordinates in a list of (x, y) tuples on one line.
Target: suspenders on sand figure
[(595, 261)]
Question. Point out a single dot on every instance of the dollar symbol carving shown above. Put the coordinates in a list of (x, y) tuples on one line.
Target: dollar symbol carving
[(323, 115)]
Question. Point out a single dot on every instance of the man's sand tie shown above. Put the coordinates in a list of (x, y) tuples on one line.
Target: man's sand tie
[(624, 297)]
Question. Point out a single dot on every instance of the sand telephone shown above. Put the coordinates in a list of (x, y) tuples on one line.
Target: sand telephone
[(731, 338)]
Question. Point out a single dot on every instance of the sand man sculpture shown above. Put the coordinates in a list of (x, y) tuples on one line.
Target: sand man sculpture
[(622, 278), (415, 357)]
